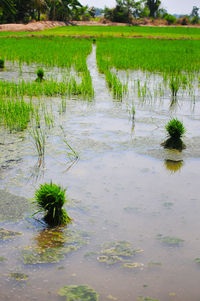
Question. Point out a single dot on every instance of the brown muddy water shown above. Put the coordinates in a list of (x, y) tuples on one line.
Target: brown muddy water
[(135, 206)]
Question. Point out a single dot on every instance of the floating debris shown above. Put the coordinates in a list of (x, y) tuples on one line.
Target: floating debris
[(79, 292), (3, 259), (146, 299), (53, 245), (154, 263), (168, 205), (133, 265), (6, 234), (197, 260), (110, 297), (19, 276), (89, 254), (131, 209), (170, 240), (109, 259)]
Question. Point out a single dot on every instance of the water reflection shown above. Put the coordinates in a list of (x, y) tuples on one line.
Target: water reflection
[(173, 104), (38, 171), (174, 143), (50, 238), (173, 166)]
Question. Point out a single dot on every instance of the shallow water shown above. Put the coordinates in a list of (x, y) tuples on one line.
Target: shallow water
[(28, 72), (124, 187)]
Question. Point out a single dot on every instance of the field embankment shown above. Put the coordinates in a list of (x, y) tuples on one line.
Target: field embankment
[(32, 26)]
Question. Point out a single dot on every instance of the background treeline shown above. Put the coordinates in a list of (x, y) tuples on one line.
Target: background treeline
[(129, 10), (13, 11), (126, 11)]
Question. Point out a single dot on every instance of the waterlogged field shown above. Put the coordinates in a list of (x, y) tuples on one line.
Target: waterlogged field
[(177, 62), (134, 204), (117, 31)]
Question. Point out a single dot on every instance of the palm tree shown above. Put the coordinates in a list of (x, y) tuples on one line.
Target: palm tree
[(51, 7), (9, 5), (64, 6), (38, 5)]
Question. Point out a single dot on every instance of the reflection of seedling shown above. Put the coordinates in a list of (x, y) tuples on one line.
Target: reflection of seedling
[(40, 75), (1, 63), (53, 244), (50, 198), (173, 166)]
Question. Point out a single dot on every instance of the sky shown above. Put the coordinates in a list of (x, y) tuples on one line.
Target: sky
[(172, 6)]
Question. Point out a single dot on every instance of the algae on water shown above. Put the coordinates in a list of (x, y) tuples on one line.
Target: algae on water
[(118, 248), (53, 245), (19, 276), (133, 265), (6, 234), (146, 299), (3, 259), (170, 240), (118, 252), (79, 293)]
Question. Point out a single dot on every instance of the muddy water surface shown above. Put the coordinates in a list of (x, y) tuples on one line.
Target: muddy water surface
[(135, 206)]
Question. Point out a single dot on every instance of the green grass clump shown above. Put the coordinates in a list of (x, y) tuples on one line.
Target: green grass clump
[(40, 75), (175, 128), (49, 88), (15, 114), (1, 63), (50, 198), (174, 85)]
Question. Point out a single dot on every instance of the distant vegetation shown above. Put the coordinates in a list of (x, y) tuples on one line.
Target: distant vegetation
[(126, 11)]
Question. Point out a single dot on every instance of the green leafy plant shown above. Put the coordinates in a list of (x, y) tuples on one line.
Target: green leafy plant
[(1, 63), (175, 128), (40, 75), (39, 140), (175, 131), (50, 198), (174, 85)]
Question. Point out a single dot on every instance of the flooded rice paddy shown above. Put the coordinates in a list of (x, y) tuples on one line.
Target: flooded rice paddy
[(135, 205)]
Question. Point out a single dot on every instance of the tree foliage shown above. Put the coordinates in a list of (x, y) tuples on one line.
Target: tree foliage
[(26, 10), (125, 10), (153, 6)]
